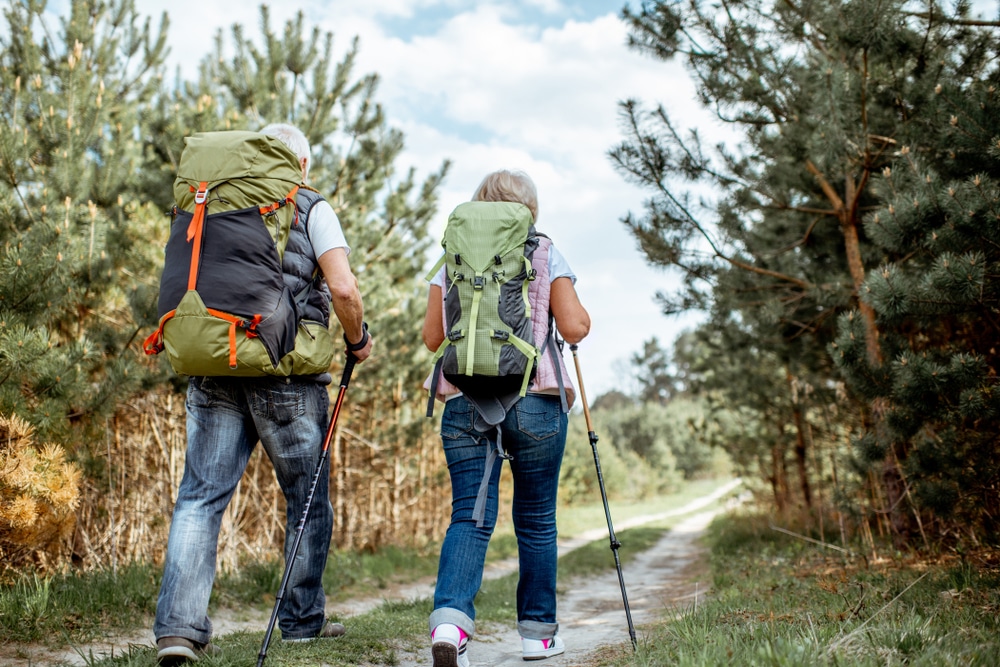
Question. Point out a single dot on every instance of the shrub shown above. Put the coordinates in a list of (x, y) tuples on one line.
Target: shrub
[(39, 490)]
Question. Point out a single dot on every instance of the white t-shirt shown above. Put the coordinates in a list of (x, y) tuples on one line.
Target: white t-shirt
[(325, 232), (558, 268)]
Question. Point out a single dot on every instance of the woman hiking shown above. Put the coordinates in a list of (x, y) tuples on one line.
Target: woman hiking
[(533, 435)]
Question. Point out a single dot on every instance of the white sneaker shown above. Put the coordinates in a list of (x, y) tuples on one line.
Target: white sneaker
[(539, 649), (448, 646)]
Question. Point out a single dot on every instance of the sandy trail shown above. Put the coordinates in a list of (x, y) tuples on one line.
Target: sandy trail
[(591, 612)]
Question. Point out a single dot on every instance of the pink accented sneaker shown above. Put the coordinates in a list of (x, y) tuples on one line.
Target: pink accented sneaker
[(539, 649), (448, 646)]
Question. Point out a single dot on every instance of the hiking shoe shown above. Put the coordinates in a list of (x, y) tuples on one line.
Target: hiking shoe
[(331, 629), (539, 649), (178, 650), (448, 646)]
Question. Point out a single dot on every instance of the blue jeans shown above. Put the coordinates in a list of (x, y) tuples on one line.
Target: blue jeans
[(225, 419), (534, 433)]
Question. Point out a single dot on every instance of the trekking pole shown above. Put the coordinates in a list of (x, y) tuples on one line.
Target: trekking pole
[(324, 455), (615, 544)]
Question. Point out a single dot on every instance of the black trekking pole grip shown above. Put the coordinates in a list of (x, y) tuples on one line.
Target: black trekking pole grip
[(615, 544), (345, 379), (324, 455)]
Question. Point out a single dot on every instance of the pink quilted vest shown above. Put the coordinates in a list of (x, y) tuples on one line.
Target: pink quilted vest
[(539, 291)]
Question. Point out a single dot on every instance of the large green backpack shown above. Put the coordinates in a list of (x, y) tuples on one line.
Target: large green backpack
[(224, 307), (489, 347)]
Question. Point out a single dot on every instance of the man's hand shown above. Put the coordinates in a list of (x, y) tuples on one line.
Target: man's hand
[(361, 349)]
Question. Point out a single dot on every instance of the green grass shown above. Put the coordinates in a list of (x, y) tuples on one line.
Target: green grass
[(782, 602), (68, 609), (373, 638), (348, 574), (75, 610)]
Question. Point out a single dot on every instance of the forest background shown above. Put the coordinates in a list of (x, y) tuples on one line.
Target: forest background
[(843, 254)]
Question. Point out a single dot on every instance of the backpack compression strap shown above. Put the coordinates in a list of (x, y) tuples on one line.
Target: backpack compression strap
[(195, 229), (289, 199)]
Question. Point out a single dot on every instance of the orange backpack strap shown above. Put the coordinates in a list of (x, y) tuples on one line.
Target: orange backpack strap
[(154, 342), (289, 199), (249, 325), (194, 230)]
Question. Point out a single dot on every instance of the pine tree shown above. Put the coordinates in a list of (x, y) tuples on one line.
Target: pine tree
[(70, 101), (829, 98), (937, 294)]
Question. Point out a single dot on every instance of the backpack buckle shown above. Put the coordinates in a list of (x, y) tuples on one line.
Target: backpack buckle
[(201, 195), (501, 335), (478, 283), (455, 335)]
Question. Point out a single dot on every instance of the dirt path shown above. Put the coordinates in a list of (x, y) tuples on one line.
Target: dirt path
[(591, 612)]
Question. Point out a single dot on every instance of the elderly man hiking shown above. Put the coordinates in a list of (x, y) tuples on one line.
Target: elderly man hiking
[(245, 299)]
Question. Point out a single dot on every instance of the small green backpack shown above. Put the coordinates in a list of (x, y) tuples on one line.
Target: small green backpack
[(489, 347), (224, 307)]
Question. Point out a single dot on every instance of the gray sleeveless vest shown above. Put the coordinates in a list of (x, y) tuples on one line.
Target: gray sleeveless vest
[(300, 268)]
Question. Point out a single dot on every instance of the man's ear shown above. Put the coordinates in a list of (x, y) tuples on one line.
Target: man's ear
[(303, 163)]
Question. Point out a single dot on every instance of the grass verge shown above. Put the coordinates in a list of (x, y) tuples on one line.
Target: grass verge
[(76, 610), (68, 609), (781, 601)]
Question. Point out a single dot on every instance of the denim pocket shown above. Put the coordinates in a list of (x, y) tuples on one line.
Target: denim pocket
[(280, 402), (458, 420), (201, 392), (538, 419)]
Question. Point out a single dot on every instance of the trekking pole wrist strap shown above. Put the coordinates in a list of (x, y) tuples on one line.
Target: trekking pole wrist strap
[(360, 345)]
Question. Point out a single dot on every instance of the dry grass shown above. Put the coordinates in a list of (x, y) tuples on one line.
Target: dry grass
[(386, 491)]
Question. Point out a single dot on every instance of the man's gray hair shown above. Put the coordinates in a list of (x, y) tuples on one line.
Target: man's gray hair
[(292, 137)]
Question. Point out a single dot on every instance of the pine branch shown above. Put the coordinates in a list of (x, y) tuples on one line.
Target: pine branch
[(953, 21), (767, 272), (828, 190)]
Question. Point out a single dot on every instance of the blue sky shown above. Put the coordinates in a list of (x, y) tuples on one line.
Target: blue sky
[(534, 15)]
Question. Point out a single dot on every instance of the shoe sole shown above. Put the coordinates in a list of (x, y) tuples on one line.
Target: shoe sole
[(445, 655), (543, 656), (176, 655)]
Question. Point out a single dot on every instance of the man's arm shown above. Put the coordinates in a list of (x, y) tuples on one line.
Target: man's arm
[(346, 295)]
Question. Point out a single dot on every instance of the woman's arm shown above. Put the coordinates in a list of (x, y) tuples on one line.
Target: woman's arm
[(571, 317), (433, 324)]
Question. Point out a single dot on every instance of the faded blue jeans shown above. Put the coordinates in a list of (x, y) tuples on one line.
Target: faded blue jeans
[(225, 419), (534, 433)]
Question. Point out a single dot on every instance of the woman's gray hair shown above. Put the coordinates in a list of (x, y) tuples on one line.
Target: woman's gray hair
[(509, 185), (292, 137)]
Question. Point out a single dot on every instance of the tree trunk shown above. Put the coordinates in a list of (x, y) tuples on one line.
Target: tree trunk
[(779, 483), (853, 248), (801, 463), (847, 215)]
